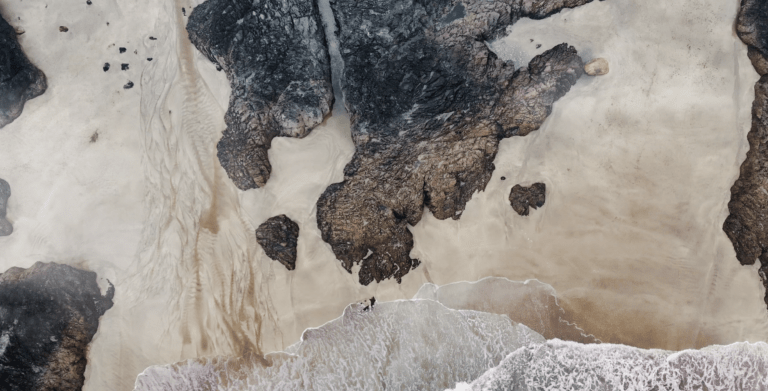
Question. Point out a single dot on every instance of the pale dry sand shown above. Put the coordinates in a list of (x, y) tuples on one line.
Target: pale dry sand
[(637, 163)]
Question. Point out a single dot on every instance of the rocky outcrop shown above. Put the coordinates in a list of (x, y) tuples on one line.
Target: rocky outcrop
[(747, 224), (5, 192), (20, 81), (278, 236), (48, 316), (429, 103), (275, 56), (524, 198)]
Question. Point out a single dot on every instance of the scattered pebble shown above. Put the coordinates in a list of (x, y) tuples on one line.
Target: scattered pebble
[(152, 38), (122, 50), (184, 11), (95, 136), (63, 29), (503, 178), (136, 51), (89, 2), (106, 66), (538, 45), (124, 67), (597, 67), (149, 58), (128, 86)]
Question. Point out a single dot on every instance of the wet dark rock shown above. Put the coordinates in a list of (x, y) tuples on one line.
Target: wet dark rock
[(523, 198), (128, 85), (48, 315), (279, 236), (5, 192), (429, 103), (20, 81), (106, 66), (122, 50), (747, 224), (124, 67), (275, 57)]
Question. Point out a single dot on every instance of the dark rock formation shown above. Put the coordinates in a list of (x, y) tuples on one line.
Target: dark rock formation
[(275, 57), (48, 316), (429, 103), (5, 192), (278, 237), (747, 224), (523, 198), (20, 81)]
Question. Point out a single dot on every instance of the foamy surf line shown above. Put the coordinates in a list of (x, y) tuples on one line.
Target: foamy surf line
[(466, 336)]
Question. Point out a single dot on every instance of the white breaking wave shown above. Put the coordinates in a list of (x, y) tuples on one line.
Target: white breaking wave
[(401, 345), (561, 365)]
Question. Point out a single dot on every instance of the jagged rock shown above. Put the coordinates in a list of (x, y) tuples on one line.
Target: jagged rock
[(275, 57), (48, 316), (278, 237), (429, 103), (20, 81), (5, 192), (597, 67), (747, 224), (523, 198)]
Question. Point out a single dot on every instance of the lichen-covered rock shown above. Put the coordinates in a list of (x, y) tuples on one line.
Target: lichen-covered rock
[(279, 236), (48, 316), (429, 103), (523, 198), (747, 224), (5, 192), (20, 81), (597, 67), (275, 56)]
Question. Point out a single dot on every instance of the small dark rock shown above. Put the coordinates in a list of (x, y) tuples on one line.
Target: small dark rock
[(88, 2), (106, 66), (122, 50), (524, 197), (503, 178), (152, 39), (63, 29), (183, 11), (48, 315), (124, 67), (20, 81), (5, 226), (95, 136), (128, 86), (279, 236), (538, 45), (149, 58)]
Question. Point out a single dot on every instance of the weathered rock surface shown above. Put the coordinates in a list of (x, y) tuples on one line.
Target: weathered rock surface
[(20, 81), (5, 192), (524, 198), (597, 67), (747, 224), (429, 103), (279, 236), (275, 56), (48, 316)]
